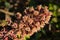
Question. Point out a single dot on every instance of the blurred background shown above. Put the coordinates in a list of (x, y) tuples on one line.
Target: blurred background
[(51, 31)]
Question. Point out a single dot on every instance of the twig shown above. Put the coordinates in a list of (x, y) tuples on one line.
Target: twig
[(6, 12)]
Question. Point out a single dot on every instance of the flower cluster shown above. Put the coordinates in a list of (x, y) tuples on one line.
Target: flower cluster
[(32, 21)]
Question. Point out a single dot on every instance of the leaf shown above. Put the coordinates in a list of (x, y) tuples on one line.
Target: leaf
[(3, 23), (57, 26), (54, 20), (50, 7), (43, 31), (32, 3), (0, 0), (7, 5), (38, 35), (26, 37), (55, 7), (18, 36), (54, 13)]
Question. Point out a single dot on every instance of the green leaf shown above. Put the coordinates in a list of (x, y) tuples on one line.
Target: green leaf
[(37, 35), (54, 20), (50, 7), (43, 31), (57, 26), (32, 3), (3, 21), (55, 7), (54, 13), (7, 5), (18, 36), (0, 0), (26, 37)]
